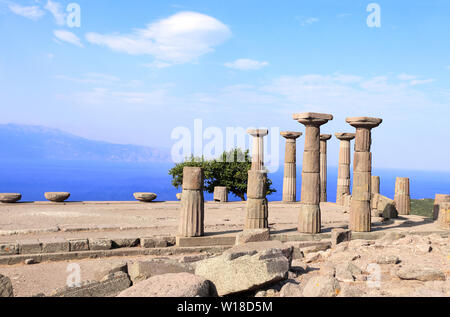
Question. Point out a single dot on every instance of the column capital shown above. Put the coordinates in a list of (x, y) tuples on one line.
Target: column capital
[(325, 137), (345, 136), (364, 122), (312, 118), (258, 132), (291, 135)]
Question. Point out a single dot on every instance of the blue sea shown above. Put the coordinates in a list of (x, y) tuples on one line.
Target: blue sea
[(97, 181)]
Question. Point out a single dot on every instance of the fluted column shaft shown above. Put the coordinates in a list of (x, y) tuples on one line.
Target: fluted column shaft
[(402, 196), (192, 203), (257, 206), (258, 148), (290, 166), (343, 181), (360, 211), (309, 216), (323, 167)]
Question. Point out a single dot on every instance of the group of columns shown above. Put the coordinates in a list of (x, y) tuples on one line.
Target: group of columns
[(314, 170), (314, 178)]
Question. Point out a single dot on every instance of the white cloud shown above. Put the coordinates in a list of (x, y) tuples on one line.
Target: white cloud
[(92, 78), (180, 38), (55, 8), (421, 81), (406, 77), (68, 37), (31, 12), (246, 64), (308, 20), (157, 64)]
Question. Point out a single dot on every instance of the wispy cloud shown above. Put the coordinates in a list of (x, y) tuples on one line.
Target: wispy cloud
[(30, 12), (68, 37), (55, 8), (246, 64), (304, 21), (180, 38)]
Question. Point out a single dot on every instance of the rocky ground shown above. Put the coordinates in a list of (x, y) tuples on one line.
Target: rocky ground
[(396, 265), (409, 266)]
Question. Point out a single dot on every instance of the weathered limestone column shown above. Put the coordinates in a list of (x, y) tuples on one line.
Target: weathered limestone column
[(221, 194), (258, 147), (444, 215), (375, 185), (290, 166), (192, 203), (438, 200), (257, 206), (323, 166), (402, 198), (309, 216), (360, 216), (343, 182)]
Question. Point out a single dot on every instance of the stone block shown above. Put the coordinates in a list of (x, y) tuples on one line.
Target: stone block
[(97, 244), (142, 270), (30, 246), (253, 235), (78, 245), (54, 245), (339, 236)]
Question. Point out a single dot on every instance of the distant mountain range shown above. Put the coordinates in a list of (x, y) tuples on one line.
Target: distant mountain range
[(21, 142)]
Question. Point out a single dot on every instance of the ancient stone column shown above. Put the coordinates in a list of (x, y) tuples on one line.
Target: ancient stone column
[(360, 216), (258, 147), (402, 198), (444, 215), (221, 194), (290, 168), (375, 191), (375, 185), (323, 166), (192, 203), (343, 182), (309, 216), (257, 206), (438, 200)]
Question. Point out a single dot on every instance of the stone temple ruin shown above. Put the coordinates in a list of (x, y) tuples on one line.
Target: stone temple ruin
[(364, 244)]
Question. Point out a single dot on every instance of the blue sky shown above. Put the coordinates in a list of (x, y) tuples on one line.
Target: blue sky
[(135, 70)]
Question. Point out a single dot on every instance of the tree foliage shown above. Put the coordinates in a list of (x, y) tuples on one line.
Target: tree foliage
[(229, 169)]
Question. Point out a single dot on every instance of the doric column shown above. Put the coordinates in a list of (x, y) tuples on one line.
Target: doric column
[(343, 182), (192, 203), (402, 198), (323, 166), (444, 215), (257, 207), (258, 147), (374, 191), (221, 194), (438, 200), (309, 216), (290, 169), (360, 216)]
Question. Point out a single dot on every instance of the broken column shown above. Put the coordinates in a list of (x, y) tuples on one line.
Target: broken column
[(257, 207), (309, 216), (343, 182), (360, 216), (438, 200), (290, 168), (221, 194), (258, 147), (375, 191), (444, 215), (323, 166), (402, 198), (192, 203)]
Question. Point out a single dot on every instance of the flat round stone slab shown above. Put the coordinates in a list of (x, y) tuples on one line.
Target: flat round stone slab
[(325, 137), (10, 197), (312, 118), (258, 132), (57, 196), (145, 197), (291, 134), (364, 122), (345, 136)]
